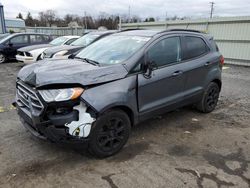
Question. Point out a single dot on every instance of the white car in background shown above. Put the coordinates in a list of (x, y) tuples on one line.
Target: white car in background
[(31, 54)]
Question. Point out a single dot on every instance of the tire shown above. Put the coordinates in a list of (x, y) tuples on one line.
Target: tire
[(109, 133), (209, 99), (2, 58)]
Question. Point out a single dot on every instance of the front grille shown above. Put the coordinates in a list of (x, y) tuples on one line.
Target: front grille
[(28, 97)]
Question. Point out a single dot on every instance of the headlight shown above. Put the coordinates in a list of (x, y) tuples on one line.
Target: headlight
[(28, 54), (61, 94), (61, 53)]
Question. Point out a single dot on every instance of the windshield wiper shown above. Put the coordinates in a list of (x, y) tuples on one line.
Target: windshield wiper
[(90, 61)]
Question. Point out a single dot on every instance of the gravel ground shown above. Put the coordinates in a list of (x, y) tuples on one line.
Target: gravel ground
[(183, 148)]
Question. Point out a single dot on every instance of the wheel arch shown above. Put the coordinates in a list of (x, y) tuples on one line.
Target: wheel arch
[(218, 81), (125, 109)]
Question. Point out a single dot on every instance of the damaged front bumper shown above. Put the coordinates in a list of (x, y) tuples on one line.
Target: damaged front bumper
[(72, 126)]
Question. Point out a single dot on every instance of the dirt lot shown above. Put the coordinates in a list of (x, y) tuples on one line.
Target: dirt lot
[(183, 148)]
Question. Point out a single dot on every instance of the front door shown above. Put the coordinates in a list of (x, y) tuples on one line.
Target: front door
[(166, 84), (16, 43)]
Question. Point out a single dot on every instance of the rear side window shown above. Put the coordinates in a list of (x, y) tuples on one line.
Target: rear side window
[(165, 52), (195, 47), (36, 38)]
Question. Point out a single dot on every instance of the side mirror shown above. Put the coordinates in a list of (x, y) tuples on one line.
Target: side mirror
[(148, 66), (10, 44)]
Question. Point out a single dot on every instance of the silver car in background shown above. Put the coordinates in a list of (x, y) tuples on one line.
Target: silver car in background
[(31, 54)]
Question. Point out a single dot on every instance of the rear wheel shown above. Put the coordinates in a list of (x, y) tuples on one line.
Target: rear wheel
[(2, 58), (209, 98), (109, 134)]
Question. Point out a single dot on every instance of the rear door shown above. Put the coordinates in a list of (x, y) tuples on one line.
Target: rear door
[(166, 85), (36, 39), (198, 62)]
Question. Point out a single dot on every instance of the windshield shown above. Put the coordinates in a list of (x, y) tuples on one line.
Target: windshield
[(58, 41), (85, 40), (113, 49), (4, 37)]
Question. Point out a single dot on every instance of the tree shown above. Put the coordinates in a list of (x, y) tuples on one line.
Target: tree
[(151, 19), (20, 15), (29, 20), (48, 17)]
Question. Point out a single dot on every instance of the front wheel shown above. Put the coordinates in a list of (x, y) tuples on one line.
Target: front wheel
[(209, 99), (2, 58), (109, 133)]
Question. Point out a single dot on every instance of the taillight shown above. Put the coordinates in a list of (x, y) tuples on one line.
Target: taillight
[(222, 60)]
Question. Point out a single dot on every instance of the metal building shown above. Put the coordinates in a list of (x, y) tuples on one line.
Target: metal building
[(232, 34)]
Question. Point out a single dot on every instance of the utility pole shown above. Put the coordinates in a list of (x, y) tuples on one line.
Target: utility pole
[(120, 22), (85, 20), (129, 19), (212, 9)]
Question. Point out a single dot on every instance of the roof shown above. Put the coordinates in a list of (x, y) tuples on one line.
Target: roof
[(29, 33), (71, 36), (14, 22), (138, 32), (102, 32), (151, 33)]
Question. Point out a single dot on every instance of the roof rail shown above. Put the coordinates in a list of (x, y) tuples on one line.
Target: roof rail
[(132, 29), (188, 30)]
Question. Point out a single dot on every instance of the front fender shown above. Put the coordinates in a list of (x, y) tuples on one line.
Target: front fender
[(119, 93)]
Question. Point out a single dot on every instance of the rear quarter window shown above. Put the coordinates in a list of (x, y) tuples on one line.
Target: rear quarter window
[(194, 47)]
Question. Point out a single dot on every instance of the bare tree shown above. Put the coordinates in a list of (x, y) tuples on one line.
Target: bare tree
[(48, 17)]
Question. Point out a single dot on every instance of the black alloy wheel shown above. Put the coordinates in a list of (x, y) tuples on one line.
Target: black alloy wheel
[(109, 133)]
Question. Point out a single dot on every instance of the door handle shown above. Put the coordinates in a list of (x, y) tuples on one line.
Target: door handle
[(207, 63), (177, 73)]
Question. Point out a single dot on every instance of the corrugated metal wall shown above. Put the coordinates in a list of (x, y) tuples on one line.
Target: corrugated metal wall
[(57, 31), (232, 34)]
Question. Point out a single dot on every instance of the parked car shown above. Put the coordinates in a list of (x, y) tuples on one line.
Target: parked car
[(10, 44), (116, 82), (31, 54), (63, 52)]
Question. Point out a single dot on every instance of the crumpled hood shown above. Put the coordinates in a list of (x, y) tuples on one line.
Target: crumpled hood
[(69, 71), (34, 47), (51, 51)]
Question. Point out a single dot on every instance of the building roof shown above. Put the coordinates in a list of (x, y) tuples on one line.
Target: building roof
[(14, 22)]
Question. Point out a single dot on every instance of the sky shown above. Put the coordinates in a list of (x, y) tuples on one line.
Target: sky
[(142, 8)]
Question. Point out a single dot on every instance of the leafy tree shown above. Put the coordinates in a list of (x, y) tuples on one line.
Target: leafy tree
[(29, 20), (20, 15)]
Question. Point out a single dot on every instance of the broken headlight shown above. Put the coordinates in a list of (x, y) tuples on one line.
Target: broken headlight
[(61, 94)]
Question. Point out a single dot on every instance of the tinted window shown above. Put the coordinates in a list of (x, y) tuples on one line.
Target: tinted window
[(195, 47), (21, 39), (165, 52), (46, 38), (36, 38)]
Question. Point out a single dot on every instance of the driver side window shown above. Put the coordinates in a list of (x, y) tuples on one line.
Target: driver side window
[(21, 39), (165, 52)]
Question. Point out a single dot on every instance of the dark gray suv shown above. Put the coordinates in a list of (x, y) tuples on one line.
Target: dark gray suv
[(116, 82)]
